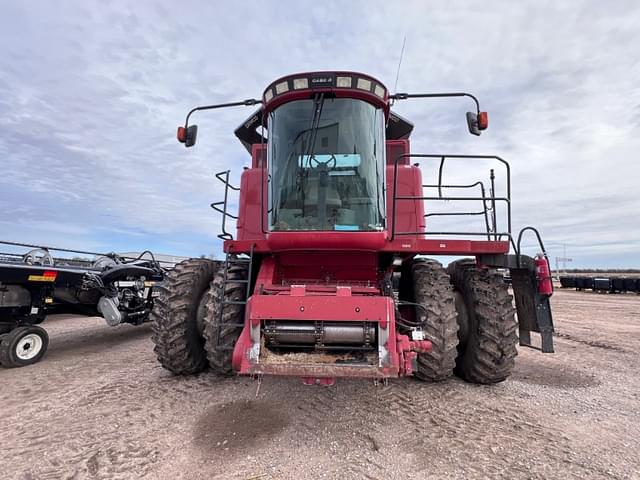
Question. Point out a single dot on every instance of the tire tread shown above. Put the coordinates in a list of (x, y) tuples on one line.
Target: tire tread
[(489, 356)]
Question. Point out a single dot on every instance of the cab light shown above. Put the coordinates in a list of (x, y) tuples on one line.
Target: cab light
[(300, 83), (343, 82), (282, 87), (364, 84), (268, 95), (379, 91)]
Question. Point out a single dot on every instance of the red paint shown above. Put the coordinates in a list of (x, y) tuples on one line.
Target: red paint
[(249, 225), (321, 271), (301, 305), (407, 352), (409, 213), (337, 92), (370, 308), (396, 149), (283, 241), (334, 275), (320, 307), (239, 359), (404, 244), (411, 244)]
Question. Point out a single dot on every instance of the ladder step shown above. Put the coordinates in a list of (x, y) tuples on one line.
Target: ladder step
[(230, 261)]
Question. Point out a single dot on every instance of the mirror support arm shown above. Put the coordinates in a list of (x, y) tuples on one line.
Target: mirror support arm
[(404, 96), (246, 103)]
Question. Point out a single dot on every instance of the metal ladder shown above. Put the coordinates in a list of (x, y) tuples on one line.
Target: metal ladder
[(230, 261)]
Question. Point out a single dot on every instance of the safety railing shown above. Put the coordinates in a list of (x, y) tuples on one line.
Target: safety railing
[(222, 205), (486, 210), (489, 202)]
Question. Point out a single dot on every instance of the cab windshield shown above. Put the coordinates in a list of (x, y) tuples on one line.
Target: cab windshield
[(326, 165)]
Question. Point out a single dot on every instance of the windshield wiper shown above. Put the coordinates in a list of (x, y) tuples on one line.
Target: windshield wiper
[(318, 103)]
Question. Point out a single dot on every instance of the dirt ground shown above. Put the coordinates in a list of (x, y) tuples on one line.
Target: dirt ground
[(99, 406)]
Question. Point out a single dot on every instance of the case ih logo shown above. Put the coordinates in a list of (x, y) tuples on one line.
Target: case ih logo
[(318, 81)]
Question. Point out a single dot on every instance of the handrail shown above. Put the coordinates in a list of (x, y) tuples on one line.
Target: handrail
[(492, 198), (215, 205), (517, 247), (485, 209)]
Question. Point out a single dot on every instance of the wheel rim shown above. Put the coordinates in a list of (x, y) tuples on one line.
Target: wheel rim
[(29, 346)]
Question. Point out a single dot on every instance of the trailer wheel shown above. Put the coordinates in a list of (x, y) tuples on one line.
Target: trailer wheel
[(432, 290), (23, 346), (487, 347), (177, 316), (222, 333)]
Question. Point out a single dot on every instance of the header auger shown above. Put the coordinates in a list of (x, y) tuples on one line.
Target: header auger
[(330, 271)]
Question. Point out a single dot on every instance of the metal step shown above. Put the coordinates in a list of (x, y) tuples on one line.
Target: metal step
[(230, 261)]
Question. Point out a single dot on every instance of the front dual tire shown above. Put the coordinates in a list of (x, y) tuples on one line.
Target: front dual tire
[(186, 313), (469, 319), (487, 351)]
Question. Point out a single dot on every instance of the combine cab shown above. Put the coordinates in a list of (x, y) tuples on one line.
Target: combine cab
[(331, 271)]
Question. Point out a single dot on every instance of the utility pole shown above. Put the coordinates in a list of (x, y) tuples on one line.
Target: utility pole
[(562, 260)]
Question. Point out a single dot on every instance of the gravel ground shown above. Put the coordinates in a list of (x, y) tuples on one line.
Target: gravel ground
[(99, 406)]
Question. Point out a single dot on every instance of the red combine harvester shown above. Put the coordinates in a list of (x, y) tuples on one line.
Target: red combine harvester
[(327, 276)]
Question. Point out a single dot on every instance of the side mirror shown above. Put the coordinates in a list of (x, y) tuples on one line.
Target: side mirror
[(477, 122), (188, 135)]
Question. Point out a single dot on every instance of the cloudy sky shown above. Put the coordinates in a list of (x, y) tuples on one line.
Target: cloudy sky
[(91, 94)]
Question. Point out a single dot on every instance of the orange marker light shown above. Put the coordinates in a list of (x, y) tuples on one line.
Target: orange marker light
[(182, 134), (483, 121)]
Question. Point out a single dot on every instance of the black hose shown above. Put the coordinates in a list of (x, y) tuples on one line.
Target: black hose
[(409, 324), (155, 263)]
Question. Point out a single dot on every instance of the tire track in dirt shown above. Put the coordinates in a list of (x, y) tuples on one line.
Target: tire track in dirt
[(590, 343), (367, 430), (428, 420)]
